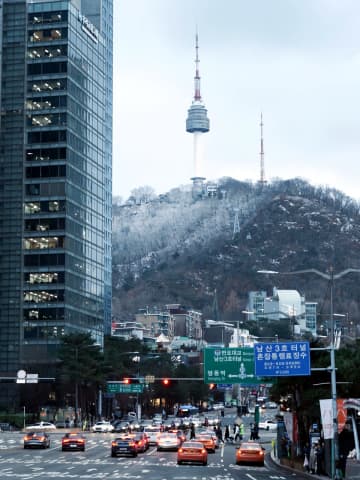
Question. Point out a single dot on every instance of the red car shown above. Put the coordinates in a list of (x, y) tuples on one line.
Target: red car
[(141, 441), (73, 441), (193, 452)]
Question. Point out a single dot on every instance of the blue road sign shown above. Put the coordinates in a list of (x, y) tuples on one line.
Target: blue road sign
[(282, 359), (224, 386)]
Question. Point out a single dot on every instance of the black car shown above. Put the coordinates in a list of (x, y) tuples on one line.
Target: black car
[(123, 446), (122, 427)]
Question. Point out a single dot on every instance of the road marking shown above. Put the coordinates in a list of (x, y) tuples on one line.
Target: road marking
[(250, 476)]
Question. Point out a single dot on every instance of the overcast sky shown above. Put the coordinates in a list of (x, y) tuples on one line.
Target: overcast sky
[(297, 61)]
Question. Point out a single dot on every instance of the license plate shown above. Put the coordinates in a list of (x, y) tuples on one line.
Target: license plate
[(123, 449), (73, 445)]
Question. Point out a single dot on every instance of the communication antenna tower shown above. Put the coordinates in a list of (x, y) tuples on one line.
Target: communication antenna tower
[(262, 165), (236, 223)]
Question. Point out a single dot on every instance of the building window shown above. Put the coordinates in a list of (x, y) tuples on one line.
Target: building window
[(44, 296), (47, 35), (47, 85), (31, 208), (43, 277), (45, 154), (47, 17), (43, 242), (47, 52)]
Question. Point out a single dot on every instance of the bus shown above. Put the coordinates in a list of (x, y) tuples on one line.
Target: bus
[(187, 411)]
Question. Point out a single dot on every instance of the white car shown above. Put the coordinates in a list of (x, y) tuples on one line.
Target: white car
[(268, 425), (102, 426), (41, 426), (153, 434)]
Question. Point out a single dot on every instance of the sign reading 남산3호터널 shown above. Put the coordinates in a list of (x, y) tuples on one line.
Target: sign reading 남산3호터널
[(282, 359)]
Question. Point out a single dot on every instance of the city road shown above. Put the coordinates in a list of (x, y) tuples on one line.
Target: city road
[(96, 463)]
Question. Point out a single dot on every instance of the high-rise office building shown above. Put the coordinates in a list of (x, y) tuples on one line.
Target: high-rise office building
[(55, 176)]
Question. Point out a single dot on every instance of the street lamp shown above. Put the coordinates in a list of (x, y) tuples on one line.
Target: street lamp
[(331, 277), (136, 358), (77, 348)]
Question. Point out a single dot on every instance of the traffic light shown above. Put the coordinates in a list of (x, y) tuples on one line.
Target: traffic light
[(212, 386), (166, 382), (129, 380)]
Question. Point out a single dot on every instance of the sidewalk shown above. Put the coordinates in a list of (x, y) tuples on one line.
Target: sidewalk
[(352, 468)]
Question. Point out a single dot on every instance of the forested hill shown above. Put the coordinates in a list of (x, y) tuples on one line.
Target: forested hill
[(178, 249)]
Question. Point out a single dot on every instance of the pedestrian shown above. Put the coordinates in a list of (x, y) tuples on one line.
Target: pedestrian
[(307, 457), (346, 444), (227, 433), (219, 434), (252, 431), (241, 431), (312, 458), (319, 452), (192, 431), (284, 446), (256, 431), (236, 433)]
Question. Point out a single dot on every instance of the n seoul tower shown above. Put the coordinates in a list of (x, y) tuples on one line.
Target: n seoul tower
[(197, 123)]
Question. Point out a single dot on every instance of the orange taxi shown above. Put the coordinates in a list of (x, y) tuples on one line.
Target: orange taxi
[(192, 452), (250, 452), (207, 440)]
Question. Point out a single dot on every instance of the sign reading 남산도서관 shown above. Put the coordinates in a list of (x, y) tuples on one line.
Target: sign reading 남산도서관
[(282, 359)]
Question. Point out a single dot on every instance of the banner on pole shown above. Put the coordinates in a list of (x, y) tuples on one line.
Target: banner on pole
[(327, 418)]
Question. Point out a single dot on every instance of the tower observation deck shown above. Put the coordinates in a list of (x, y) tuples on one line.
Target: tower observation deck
[(197, 121)]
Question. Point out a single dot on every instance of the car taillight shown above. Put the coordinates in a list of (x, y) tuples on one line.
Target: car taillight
[(132, 444), (41, 439), (180, 450), (261, 452), (203, 450), (113, 444)]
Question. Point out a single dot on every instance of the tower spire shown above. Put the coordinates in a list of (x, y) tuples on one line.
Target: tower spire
[(262, 166), (197, 95)]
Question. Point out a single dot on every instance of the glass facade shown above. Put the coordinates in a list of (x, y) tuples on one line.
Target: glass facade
[(56, 169)]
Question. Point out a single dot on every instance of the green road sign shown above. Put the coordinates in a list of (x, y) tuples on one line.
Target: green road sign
[(230, 365), (117, 387)]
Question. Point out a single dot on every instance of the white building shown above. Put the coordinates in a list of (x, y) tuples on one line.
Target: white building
[(282, 304)]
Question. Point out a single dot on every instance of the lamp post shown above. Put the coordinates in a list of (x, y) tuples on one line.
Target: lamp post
[(331, 277), (77, 348), (136, 358)]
